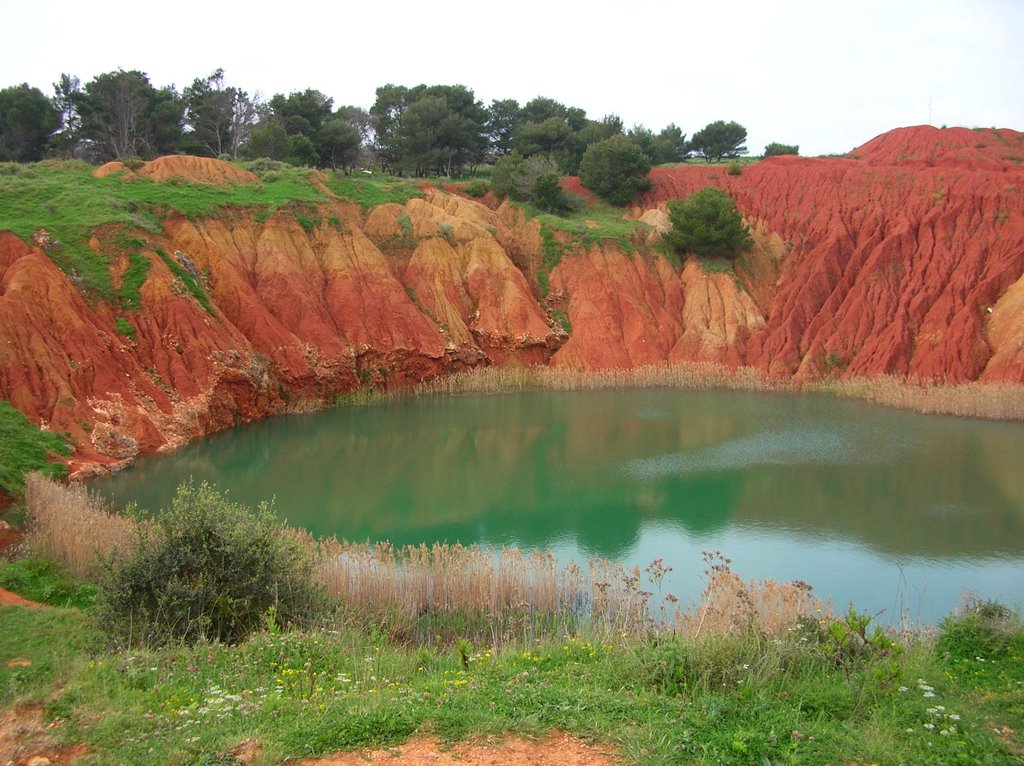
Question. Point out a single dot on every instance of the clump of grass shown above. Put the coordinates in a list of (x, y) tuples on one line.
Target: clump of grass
[(730, 605), (72, 526), (25, 448)]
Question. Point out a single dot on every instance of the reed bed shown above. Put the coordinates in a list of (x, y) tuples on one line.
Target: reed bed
[(425, 594), (992, 401), (697, 376), (73, 526), (419, 594)]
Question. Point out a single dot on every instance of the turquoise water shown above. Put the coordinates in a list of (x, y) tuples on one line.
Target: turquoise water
[(883, 509)]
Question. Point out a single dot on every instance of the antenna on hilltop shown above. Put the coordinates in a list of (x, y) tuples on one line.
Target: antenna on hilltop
[(929, 111)]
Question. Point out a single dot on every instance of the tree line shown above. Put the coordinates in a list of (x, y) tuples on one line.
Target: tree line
[(435, 130)]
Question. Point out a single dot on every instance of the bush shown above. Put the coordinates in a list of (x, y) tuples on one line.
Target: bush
[(478, 189), (707, 223), (775, 149), (615, 169), (264, 166), (207, 569), (734, 169), (548, 195), (985, 629)]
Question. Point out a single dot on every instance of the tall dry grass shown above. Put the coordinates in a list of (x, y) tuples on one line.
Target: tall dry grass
[(729, 605), (73, 526), (696, 376), (417, 593), (993, 401)]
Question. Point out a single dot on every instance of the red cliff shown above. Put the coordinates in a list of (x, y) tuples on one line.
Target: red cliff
[(906, 257)]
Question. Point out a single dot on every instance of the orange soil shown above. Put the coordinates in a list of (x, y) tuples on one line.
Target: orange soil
[(200, 170), (557, 749)]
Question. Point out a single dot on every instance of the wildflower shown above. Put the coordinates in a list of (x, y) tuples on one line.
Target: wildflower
[(929, 726), (904, 689), (953, 717), (929, 695)]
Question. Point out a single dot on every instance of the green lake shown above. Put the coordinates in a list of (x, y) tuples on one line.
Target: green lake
[(884, 509)]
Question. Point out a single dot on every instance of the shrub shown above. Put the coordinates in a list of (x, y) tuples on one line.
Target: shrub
[(615, 169), (478, 189), (547, 194), (775, 149), (985, 629), (207, 569), (263, 166), (735, 169), (707, 223)]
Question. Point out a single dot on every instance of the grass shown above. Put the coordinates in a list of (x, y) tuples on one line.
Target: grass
[(69, 203), (370, 191), (25, 448), (591, 225), (736, 698)]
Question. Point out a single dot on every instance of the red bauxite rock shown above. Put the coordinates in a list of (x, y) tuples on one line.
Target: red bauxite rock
[(906, 257)]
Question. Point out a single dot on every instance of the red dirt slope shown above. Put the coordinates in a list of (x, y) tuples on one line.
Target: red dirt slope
[(891, 269)]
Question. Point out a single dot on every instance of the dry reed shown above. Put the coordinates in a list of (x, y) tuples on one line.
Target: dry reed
[(729, 605), (416, 593), (696, 376), (993, 401), (73, 526)]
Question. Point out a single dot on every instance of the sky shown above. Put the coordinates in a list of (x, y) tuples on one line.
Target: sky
[(827, 75)]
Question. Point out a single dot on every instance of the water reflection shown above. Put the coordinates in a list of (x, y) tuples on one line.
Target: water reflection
[(595, 473)]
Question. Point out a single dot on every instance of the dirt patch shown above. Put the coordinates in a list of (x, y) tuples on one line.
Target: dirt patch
[(13, 599), (27, 740), (201, 170), (556, 749)]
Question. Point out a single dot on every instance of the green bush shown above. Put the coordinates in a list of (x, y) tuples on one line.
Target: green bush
[(207, 569), (707, 223), (735, 169), (263, 166), (984, 629), (615, 169), (478, 189), (547, 194)]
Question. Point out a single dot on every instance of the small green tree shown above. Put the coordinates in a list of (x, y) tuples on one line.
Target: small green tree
[(548, 194), (720, 140), (707, 223), (775, 149), (615, 169), (207, 569)]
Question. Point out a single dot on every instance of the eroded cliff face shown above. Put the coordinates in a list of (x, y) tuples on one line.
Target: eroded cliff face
[(908, 259), (295, 317)]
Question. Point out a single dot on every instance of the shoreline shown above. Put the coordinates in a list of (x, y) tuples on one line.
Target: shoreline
[(985, 401)]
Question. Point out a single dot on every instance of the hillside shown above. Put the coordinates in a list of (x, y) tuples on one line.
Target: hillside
[(171, 319)]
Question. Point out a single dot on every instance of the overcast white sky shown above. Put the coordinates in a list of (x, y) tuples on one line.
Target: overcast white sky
[(825, 74)]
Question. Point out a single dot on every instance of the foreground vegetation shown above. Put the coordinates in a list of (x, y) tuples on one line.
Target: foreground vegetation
[(735, 679)]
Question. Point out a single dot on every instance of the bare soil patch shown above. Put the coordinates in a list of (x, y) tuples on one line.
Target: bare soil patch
[(555, 749)]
